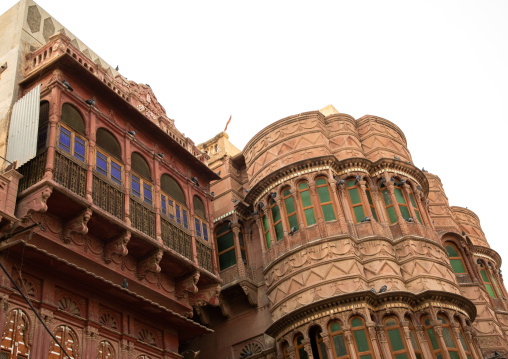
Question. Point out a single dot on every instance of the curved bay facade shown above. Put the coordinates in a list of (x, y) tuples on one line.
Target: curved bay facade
[(332, 244)]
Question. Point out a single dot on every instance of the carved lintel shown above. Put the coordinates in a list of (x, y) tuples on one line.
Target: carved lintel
[(203, 314), (251, 291), (117, 246), (34, 202), (187, 284), (77, 224), (206, 295), (150, 264)]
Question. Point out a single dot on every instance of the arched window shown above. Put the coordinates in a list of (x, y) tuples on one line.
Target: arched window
[(173, 203), (306, 203), (398, 345), (486, 279), (225, 239), (141, 178), (325, 200), (276, 219), (414, 341), (266, 231), (403, 198), (68, 339), (15, 336), (42, 135), (431, 337), (299, 347), (108, 156), (71, 134), (496, 285), (105, 350), (363, 345), (201, 224), (455, 258), (290, 209), (317, 345), (355, 200), (340, 349), (448, 337)]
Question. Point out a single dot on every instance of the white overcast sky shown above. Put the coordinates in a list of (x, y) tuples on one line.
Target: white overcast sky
[(437, 69)]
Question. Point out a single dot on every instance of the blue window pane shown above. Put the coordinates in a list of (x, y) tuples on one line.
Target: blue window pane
[(163, 204), (101, 164), (147, 193), (198, 227), (171, 212), (116, 172), (178, 218), (79, 149), (136, 189), (205, 232), (64, 141), (185, 221)]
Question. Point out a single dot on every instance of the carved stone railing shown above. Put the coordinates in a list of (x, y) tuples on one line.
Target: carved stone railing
[(32, 171), (142, 217), (204, 256), (231, 275), (176, 239), (107, 197), (70, 174)]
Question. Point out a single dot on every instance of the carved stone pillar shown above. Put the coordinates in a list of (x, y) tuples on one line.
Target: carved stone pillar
[(385, 349), (317, 209), (412, 212), (340, 209), (380, 205), (422, 339), (127, 174), (349, 341), (308, 348), (365, 200), (438, 329), (347, 210), (299, 214), (472, 345), (90, 159), (371, 326), (238, 251), (407, 336), (291, 351), (157, 199), (42, 337), (55, 113), (456, 332), (328, 344)]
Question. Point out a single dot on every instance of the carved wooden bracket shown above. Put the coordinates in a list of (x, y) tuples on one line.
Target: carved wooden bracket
[(117, 246), (150, 264), (251, 291), (225, 308), (206, 295), (203, 315), (34, 202), (187, 284), (77, 224)]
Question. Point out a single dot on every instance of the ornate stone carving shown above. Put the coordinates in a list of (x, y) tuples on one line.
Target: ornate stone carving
[(187, 284), (150, 264), (35, 202), (205, 295), (251, 291), (117, 246), (77, 224)]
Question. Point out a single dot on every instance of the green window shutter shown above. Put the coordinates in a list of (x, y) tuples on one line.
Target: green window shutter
[(279, 233), (395, 340), (303, 186), (354, 195), (265, 223), (399, 195), (225, 241), (386, 197), (463, 342), (275, 214), (418, 216), (369, 198), (310, 216), (335, 327), (227, 259), (324, 194), (290, 205), (306, 201), (339, 345), (392, 215), (401, 356), (359, 213), (356, 323), (452, 252), (293, 222), (490, 290), (362, 345), (412, 199), (374, 214), (447, 335), (321, 181), (433, 339), (286, 192), (328, 212), (454, 355), (404, 211), (457, 266), (497, 287)]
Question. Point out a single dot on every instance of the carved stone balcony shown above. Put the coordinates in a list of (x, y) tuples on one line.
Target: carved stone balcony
[(176, 238), (108, 197), (142, 217)]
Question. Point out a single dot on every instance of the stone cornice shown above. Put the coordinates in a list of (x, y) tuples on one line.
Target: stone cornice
[(351, 301), (487, 252)]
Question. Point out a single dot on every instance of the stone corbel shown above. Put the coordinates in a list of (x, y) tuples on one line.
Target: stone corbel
[(149, 264), (77, 224), (225, 308), (117, 246), (206, 295), (187, 284), (251, 291), (203, 314), (34, 202)]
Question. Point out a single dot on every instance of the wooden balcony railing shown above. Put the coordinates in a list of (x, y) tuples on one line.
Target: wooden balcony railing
[(142, 218), (176, 239), (204, 256), (108, 197), (70, 174), (32, 171)]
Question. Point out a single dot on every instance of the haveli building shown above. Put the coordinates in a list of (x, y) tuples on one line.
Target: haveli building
[(321, 239)]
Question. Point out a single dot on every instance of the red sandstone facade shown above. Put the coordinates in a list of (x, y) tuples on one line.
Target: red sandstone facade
[(319, 209)]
